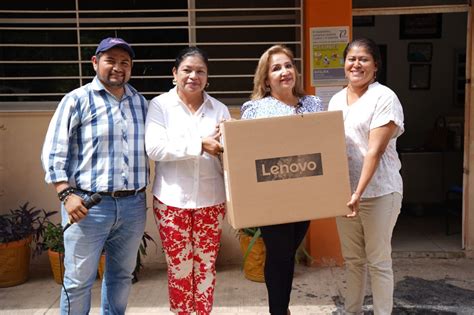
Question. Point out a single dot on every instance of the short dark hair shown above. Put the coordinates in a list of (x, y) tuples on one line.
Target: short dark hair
[(191, 51), (371, 47)]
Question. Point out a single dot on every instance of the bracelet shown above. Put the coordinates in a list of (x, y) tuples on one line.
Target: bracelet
[(64, 190), (63, 194), (66, 199)]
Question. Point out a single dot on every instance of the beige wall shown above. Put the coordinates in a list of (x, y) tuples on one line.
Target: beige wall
[(22, 179)]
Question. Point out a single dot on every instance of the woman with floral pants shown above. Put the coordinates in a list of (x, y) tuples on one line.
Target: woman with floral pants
[(182, 136), (190, 239)]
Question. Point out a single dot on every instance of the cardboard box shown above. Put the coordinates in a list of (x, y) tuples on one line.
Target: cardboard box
[(285, 169)]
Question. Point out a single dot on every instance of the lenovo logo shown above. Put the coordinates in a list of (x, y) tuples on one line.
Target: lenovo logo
[(287, 167)]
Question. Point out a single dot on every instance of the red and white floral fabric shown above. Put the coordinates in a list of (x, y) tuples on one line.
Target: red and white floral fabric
[(190, 239)]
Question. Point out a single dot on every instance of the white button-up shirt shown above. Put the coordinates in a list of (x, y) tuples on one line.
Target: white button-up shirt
[(185, 177)]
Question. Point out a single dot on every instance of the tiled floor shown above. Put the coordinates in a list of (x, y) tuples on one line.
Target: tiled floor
[(424, 231)]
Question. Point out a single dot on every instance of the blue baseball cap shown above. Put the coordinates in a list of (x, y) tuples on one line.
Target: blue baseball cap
[(111, 42)]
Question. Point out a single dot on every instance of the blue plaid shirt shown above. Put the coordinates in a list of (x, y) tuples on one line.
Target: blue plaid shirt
[(96, 142)]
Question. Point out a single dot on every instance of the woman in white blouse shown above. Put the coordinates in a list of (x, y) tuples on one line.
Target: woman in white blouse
[(373, 119), (182, 136)]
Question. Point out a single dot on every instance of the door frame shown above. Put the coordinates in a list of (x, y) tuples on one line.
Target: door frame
[(468, 158)]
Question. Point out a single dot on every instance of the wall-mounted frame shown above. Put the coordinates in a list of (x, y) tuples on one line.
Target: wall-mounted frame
[(419, 52), (420, 26), (420, 77), (363, 20)]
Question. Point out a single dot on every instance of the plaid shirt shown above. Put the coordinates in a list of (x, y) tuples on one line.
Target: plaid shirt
[(97, 143)]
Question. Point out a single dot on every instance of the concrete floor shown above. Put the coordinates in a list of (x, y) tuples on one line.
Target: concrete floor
[(440, 284), (422, 235), (423, 286)]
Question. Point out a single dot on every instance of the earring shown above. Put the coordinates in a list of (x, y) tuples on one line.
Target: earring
[(267, 89), (174, 82), (207, 84)]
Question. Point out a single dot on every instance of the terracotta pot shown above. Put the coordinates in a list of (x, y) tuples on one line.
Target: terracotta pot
[(14, 262), (101, 266), (56, 260), (255, 262)]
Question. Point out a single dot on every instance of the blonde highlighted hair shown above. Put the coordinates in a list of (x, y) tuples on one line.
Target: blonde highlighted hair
[(261, 73)]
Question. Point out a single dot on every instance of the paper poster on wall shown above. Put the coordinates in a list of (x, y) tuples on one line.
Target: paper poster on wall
[(327, 48), (326, 92)]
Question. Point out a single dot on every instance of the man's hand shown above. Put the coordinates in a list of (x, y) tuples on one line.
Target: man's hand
[(75, 208)]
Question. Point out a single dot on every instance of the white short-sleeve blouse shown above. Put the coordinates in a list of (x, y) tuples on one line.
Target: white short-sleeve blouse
[(377, 107)]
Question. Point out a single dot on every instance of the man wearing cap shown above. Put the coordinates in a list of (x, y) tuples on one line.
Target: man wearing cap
[(95, 144)]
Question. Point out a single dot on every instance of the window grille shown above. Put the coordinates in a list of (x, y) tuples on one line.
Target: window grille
[(46, 46)]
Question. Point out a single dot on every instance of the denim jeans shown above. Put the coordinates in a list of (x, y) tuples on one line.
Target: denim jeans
[(115, 225)]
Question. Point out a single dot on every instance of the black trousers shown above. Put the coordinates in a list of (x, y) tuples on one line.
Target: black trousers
[(281, 242)]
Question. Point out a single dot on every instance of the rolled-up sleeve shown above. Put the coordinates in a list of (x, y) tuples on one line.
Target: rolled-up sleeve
[(54, 156), (388, 108)]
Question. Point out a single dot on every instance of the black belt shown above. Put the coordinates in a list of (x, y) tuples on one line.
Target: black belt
[(115, 194)]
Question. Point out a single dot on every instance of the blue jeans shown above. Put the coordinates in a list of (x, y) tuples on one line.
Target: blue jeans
[(115, 225)]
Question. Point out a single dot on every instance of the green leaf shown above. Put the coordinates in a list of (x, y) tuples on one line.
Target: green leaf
[(255, 236)]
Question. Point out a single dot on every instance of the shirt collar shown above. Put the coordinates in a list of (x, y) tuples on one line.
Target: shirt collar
[(207, 99)]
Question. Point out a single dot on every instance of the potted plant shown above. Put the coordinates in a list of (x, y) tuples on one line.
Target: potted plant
[(53, 242), (253, 250), (142, 251), (18, 230), (101, 267)]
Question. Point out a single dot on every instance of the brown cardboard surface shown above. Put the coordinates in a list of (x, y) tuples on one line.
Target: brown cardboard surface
[(285, 169)]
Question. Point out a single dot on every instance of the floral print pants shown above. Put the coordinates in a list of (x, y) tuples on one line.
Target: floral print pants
[(190, 239)]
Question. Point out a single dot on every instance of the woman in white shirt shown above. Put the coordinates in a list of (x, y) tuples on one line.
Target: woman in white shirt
[(373, 119), (182, 136)]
